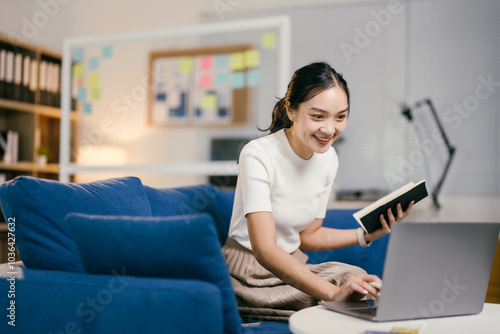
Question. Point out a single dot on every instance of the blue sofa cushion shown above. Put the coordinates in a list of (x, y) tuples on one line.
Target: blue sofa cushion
[(370, 259), (39, 207), (192, 200), (179, 247)]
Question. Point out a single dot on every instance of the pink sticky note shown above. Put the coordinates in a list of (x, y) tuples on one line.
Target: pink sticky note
[(206, 63), (206, 81)]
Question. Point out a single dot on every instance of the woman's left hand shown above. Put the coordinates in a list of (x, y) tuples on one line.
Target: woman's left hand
[(387, 226)]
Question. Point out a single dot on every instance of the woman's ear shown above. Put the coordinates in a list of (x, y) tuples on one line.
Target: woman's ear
[(289, 112)]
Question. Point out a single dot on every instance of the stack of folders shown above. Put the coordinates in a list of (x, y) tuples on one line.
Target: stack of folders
[(9, 146), (22, 74)]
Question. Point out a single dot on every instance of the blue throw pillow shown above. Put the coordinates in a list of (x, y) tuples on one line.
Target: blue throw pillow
[(180, 247), (193, 200), (39, 207)]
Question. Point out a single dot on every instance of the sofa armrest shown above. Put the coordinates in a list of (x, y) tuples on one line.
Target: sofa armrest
[(55, 301), (370, 259)]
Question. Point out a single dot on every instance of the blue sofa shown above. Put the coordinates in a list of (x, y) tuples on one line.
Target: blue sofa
[(115, 256)]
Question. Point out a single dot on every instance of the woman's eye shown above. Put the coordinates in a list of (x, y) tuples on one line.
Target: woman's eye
[(317, 116), (341, 117)]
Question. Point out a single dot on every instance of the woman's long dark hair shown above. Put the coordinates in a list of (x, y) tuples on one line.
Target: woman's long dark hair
[(306, 83)]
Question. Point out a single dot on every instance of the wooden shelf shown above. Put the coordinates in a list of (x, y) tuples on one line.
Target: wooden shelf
[(26, 166), (35, 109)]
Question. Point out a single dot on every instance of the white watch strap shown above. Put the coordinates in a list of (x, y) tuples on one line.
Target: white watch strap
[(361, 238)]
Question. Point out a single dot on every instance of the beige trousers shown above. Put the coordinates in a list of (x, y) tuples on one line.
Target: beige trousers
[(261, 295)]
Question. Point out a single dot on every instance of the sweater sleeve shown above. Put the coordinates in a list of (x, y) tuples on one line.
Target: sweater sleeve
[(254, 174)]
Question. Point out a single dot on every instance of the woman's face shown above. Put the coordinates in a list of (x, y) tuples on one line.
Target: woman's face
[(318, 122)]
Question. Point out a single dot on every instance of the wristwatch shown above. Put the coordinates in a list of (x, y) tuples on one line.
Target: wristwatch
[(361, 238)]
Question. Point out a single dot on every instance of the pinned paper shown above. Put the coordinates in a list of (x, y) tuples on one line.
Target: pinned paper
[(107, 51), (186, 65), (82, 94), (87, 108), (269, 40), (252, 58), (95, 93), (78, 71), (78, 55), (206, 81), (253, 78), (237, 80), (209, 101), (237, 61), (221, 79), (221, 61), (93, 80), (206, 63), (93, 63)]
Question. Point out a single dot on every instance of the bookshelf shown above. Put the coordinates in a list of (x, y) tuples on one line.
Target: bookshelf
[(29, 106)]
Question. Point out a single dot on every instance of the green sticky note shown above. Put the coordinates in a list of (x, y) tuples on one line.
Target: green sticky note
[(237, 80), (237, 61), (186, 65), (269, 40), (95, 93), (93, 79), (78, 70), (252, 58), (209, 101)]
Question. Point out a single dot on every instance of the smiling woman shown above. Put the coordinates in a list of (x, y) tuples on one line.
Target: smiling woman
[(284, 182)]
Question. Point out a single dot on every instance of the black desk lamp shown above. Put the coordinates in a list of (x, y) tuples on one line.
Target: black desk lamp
[(407, 112)]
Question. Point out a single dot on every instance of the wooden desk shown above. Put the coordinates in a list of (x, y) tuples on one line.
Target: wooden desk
[(319, 320)]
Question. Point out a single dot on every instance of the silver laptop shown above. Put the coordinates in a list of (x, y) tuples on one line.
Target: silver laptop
[(431, 270)]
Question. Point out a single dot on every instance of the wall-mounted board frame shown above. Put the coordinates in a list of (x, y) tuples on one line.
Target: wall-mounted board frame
[(196, 87)]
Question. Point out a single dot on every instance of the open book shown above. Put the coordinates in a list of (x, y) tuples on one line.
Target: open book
[(369, 217)]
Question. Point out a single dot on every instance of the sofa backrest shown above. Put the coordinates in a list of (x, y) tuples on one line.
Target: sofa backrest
[(193, 200)]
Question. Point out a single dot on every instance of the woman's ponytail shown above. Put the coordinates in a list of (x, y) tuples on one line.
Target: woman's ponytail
[(280, 117)]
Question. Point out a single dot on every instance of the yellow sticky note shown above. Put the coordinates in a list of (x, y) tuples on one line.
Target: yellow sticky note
[(252, 58), (78, 71), (95, 93), (186, 65), (269, 40), (237, 61), (209, 101), (93, 80)]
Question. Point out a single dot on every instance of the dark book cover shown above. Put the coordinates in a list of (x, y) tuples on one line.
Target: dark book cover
[(369, 217)]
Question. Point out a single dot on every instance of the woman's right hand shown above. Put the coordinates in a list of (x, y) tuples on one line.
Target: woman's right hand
[(357, 287)]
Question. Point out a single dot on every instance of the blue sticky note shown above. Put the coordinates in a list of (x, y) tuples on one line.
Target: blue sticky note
[(237, 80), (221, 61), (220, 79), (93, 63), (78, 55), (253, 78), (87, 108), (82, 94), (107, 51)]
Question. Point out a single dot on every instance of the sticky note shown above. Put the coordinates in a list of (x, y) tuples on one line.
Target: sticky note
[(186, 65), (206, 63), (252, 58), (221, 61), (78, 71), (95, 93), (268, 40), (237, 80), (221, 79), (209, 101), (93, 80), (78, 55), (253, 78), (87, 108), (82, 94), (205, 81), (93, 63), (237, 61), (107, 51)]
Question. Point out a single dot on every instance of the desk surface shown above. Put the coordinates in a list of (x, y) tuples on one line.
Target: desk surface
[(319, 320)]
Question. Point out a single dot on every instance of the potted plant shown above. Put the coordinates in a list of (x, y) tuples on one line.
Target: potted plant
[(43, 155)]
